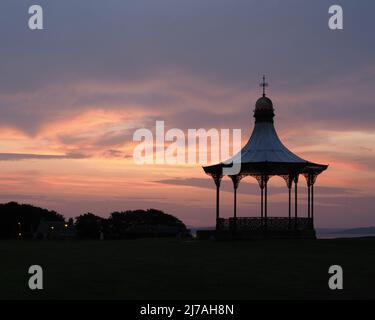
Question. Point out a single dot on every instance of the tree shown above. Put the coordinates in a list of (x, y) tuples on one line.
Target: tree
[(23, 219), (89, 226), (151, 222)]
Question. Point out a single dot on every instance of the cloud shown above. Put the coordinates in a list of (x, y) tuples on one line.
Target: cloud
[(29, 156), (249, 188), (129, 51)]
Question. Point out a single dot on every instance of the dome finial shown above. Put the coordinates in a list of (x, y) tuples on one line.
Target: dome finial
[(264, 84), (264, 111)]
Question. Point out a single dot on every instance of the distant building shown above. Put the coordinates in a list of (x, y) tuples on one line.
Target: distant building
[(54, 230)]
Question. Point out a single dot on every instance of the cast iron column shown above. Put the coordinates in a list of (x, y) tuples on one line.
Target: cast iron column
[(265, 202), (290, 206), (236, 181), (312, 205), (308, 200), (261, 204), (217, 180), (295, 202)]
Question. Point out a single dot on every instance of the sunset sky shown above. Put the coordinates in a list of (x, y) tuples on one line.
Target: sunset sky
[(72, 95)]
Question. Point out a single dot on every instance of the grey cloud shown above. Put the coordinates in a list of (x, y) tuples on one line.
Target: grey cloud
[(362, 159), (228, 44), (113, 153), (29, 156)]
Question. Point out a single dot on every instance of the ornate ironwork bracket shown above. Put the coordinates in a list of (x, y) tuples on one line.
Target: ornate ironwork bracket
[(262, 179), (236, 180), (310, 178), (289, 179), (217, 178), (295, 178)]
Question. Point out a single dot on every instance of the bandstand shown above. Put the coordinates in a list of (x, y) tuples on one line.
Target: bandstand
[(263, 157)]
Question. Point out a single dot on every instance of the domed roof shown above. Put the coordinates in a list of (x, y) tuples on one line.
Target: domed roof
[(264, 110), (264, 153), (264, 104)]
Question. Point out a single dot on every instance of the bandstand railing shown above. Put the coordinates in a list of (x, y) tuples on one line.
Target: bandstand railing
[(258, 224)]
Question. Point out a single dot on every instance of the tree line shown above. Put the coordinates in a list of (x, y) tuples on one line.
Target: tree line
[(23, 220)]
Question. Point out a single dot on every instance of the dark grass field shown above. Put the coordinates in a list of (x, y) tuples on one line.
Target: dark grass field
[(178, 269)]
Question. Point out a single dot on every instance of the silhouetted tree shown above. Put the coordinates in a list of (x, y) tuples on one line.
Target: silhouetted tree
[(22, 219), (130, 222), (90, 226), (71, 222)]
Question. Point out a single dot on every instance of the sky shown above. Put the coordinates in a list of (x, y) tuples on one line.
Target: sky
[(73, 94)]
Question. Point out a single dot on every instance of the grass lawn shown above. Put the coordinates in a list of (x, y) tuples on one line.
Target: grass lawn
[(180, 269)]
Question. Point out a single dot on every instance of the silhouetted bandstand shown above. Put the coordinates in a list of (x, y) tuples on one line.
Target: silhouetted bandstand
[(263, 157)]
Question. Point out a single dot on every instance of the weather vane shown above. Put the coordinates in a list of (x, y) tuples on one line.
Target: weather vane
[(264, 84)]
